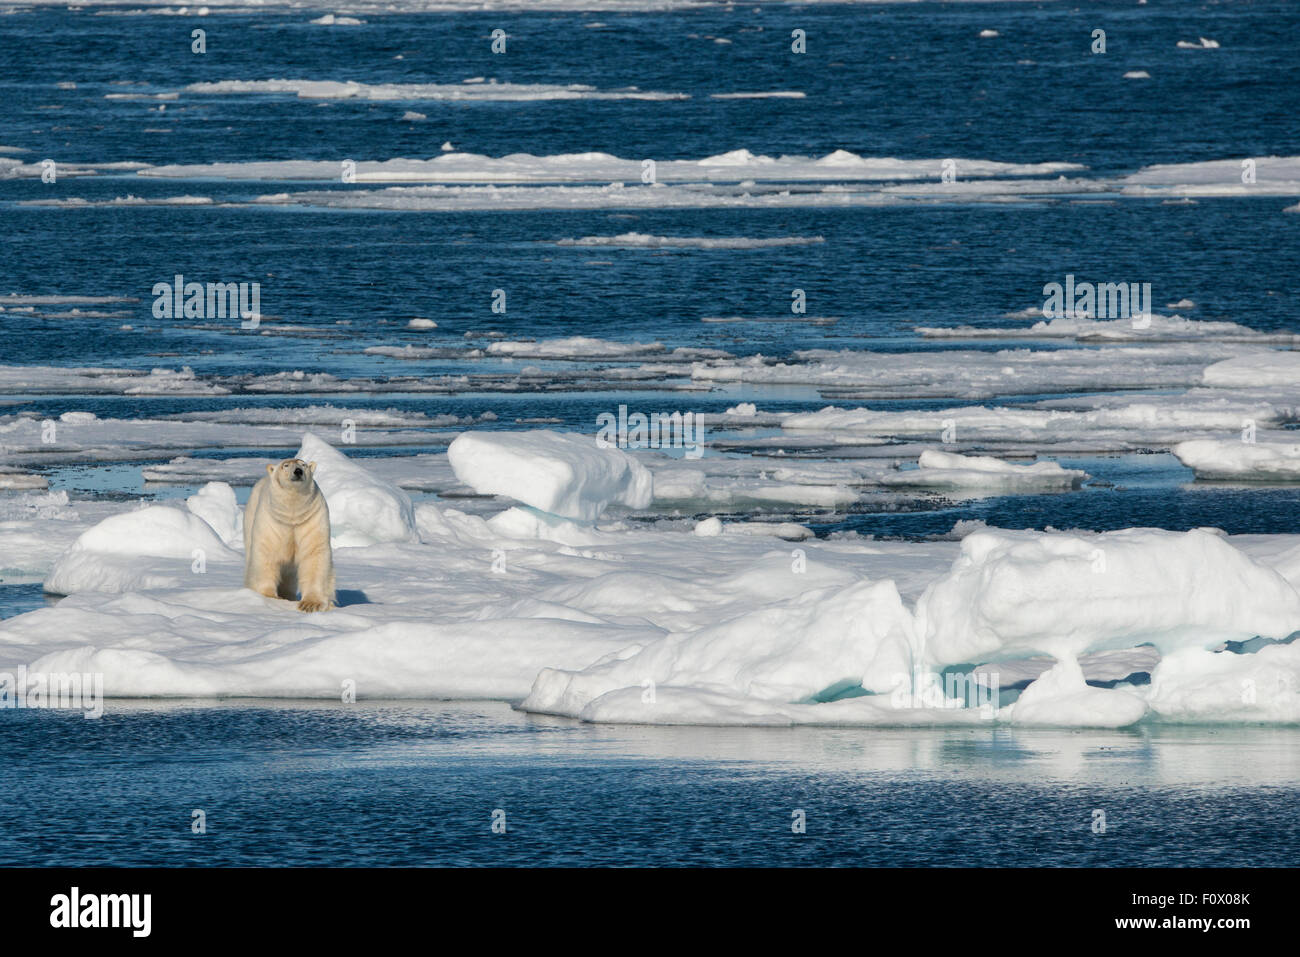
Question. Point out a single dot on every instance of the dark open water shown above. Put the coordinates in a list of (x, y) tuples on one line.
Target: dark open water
[(418, 784)]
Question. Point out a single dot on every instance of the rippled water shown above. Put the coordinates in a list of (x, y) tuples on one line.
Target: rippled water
[(418, 783)]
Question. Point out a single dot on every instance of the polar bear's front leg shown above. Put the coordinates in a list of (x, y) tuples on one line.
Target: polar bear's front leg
[(316, 574), (261, 574)]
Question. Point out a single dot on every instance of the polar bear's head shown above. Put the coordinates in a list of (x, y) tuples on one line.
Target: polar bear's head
[(293, 476)]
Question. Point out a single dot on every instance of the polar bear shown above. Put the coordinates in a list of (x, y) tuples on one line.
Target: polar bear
[(287, 537)]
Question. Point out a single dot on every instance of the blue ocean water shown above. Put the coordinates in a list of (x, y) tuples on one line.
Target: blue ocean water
[(416, 783), (906, 80)]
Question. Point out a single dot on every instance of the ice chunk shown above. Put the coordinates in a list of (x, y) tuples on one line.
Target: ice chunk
[(566, 475), (937, 469), (364, 509), (574, 346), (12, 479), (1061, 697), (1234, 459), (1012, 594), (1199, 685)]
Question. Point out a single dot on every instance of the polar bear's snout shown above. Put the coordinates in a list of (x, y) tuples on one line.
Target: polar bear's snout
[(293, 472)]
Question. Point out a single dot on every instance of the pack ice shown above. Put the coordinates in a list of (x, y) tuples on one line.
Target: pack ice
[(563, 606)]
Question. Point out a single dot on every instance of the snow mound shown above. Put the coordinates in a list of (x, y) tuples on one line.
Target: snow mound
[(527, 524), (215, 503), (1061, 697), (138, 550), (1199, 685), (566, 475), (1012, 594), (787, 653), (364, 510)]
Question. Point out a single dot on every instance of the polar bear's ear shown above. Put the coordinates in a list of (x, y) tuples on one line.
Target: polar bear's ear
[(270, 469), (311, 466)]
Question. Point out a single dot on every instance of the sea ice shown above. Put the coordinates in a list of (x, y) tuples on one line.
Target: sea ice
[(1233, 459)]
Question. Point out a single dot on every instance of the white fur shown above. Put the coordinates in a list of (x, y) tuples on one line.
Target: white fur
[(287, 538)]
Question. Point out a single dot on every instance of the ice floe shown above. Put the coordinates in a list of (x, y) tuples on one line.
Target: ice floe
[(627, 623), (973, 374), (1249, 176), (415, 92), (643, 241), (1235, 459), (1148, 328), (936, 469), (731, 167)]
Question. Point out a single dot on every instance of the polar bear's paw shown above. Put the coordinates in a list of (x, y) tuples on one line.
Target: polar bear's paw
[(310, 604)]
